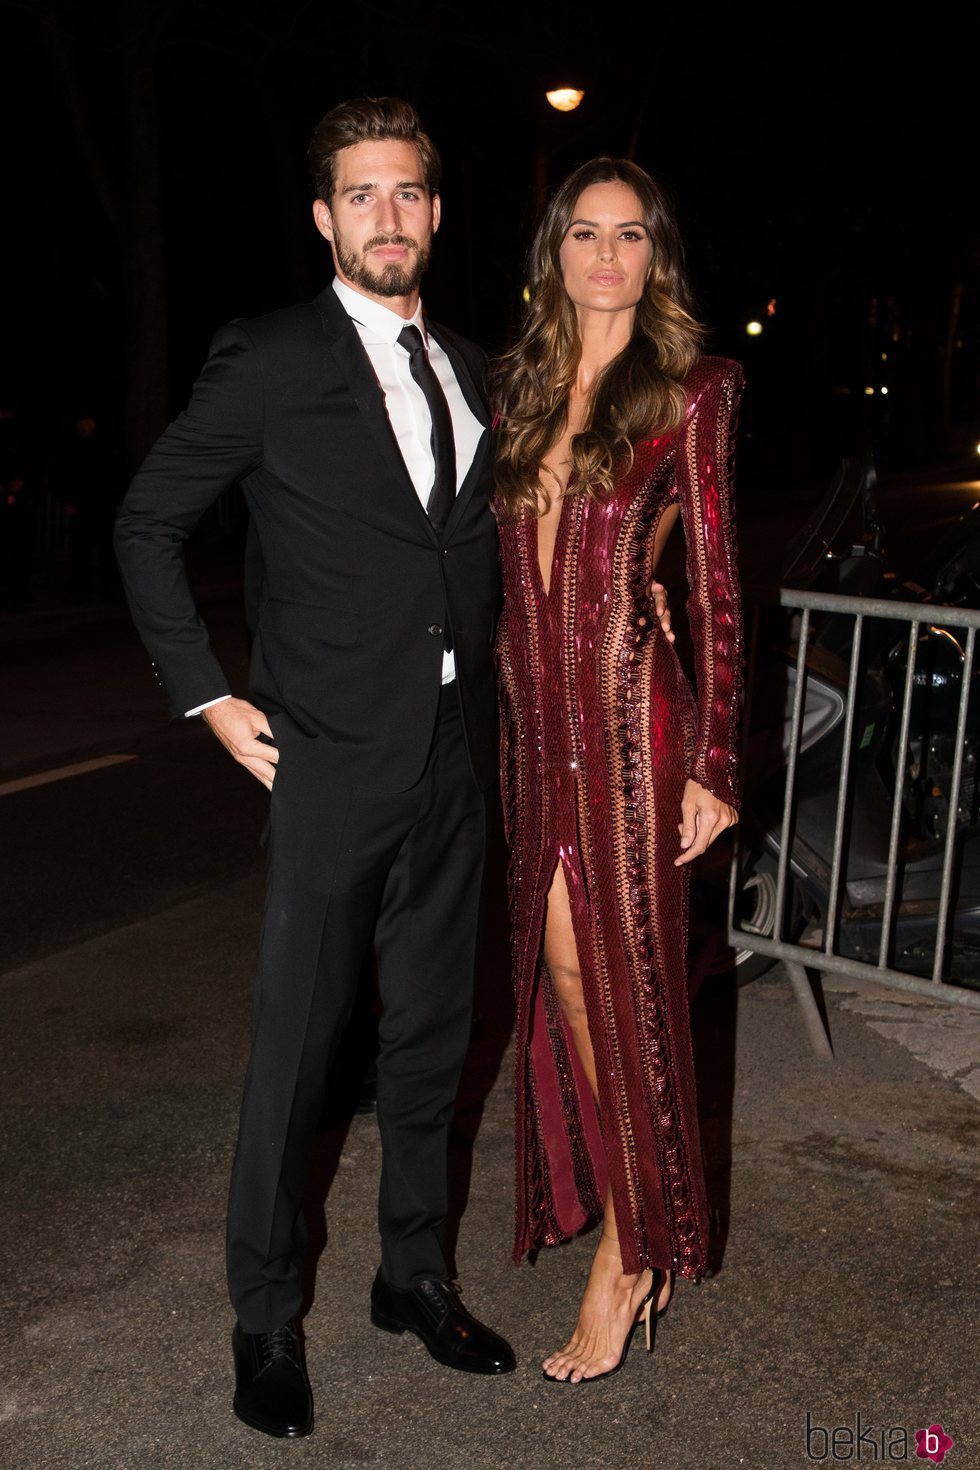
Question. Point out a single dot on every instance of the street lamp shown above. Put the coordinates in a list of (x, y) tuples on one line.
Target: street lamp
[(564, 99)]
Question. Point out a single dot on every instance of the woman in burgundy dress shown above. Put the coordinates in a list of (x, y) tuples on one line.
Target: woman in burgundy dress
[(612, 427)]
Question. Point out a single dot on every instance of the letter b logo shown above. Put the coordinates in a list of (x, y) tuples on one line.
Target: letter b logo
[(817, 1440), (932, 1444)]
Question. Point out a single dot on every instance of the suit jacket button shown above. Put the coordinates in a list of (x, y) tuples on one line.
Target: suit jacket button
[(434, 630)]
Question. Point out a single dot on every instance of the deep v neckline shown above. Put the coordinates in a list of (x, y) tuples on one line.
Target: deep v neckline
[(560, 530), (546, 590)]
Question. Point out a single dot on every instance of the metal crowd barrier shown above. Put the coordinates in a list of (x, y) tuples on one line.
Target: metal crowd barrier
[(798, 958)]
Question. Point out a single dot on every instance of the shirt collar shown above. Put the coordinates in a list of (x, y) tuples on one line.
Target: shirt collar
[(376, 319)]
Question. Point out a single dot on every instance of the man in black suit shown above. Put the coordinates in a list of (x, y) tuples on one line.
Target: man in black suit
[(359, 432)]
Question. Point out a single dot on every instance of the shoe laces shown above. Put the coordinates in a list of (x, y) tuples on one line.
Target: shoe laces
[(438, 1297), (433, 1288), (278, 1344)]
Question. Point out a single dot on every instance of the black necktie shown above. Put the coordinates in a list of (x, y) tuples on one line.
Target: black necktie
[(443, 491)]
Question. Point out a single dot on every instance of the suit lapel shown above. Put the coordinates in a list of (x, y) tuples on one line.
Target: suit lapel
[(348, 352), (477, 406), (471, 392)]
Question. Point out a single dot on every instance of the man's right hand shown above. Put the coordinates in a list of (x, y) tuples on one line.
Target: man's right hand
[(238, 725)]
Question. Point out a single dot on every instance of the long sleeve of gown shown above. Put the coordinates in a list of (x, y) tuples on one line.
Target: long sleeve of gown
[(704, 485)]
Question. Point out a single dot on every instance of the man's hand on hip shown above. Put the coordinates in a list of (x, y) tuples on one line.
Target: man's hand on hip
[(238, 725)]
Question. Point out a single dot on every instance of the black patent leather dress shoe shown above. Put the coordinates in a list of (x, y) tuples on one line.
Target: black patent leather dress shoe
[(272, 1390), (433, 1311)]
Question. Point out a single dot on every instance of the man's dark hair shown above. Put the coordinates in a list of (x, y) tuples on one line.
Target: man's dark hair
[(368, 119)]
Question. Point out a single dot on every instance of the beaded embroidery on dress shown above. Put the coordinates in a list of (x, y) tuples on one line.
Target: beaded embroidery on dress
[(599, 731)]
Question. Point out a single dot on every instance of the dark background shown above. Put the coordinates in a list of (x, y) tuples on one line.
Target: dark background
[(155, 185)]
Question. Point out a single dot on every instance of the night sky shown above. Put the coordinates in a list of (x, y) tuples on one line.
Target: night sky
[(822, 160)]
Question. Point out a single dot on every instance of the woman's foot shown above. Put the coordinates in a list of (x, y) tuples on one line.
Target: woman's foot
[(606, 1318)]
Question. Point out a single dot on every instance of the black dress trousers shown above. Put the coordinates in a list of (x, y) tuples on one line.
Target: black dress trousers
[(348, 867)]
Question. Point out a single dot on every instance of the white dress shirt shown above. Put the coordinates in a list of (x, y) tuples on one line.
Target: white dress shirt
[(408, 412)]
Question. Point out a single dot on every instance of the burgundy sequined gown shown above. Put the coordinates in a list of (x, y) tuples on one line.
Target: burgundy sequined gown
[(599, 731)]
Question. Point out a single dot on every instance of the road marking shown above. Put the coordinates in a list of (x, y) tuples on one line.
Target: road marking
[(61, 773)]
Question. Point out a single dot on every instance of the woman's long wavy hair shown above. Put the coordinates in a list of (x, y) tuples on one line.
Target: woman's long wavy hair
[(640, 392)]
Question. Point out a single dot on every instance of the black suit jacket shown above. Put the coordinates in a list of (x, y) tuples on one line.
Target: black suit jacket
[(356, 585)]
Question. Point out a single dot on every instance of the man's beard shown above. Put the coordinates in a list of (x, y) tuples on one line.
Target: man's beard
[(393, 279)]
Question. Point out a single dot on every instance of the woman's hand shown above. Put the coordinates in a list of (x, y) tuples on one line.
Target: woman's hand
[(704, 818), (661, 607)]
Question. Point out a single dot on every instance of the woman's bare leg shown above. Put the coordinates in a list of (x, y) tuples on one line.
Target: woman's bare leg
[(612, 1297)]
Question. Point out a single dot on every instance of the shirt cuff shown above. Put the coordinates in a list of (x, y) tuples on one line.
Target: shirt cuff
[(206, 705)]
